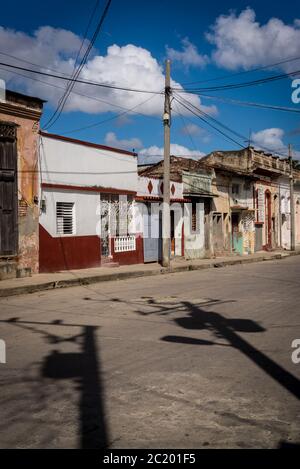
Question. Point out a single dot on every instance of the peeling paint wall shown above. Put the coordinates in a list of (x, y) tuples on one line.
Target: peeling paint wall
[(271, 187), (26, 115)]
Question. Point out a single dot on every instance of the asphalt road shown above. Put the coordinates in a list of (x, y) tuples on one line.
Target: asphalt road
[(188, 360)]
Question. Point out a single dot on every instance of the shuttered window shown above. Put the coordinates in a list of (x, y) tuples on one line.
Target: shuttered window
[(65, 223)]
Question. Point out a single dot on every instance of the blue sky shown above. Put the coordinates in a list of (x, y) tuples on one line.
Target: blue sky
[(243, 36)]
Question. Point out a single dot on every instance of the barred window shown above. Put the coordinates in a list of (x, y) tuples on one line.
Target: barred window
[(65, 222)]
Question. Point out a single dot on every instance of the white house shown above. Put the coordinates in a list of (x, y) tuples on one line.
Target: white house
[(82, 184), (186, 218)]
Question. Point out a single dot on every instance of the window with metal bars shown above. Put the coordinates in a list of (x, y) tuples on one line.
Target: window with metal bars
[(65, 223)]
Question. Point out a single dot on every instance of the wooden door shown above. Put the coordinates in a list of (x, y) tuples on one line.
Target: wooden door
[(8, 191)]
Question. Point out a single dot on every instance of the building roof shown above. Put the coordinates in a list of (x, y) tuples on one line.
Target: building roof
[(24, 99), (178, 165), (85, 143), (247, 162)]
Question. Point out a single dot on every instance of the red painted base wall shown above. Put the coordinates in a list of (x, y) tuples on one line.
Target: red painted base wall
[(65, 253), (130, 257)]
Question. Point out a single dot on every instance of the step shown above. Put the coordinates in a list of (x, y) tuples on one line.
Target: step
[(8, 270), (108, 262)]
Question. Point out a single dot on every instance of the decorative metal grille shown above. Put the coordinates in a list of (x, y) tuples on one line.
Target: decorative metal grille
[(7, 131), (125, 243)]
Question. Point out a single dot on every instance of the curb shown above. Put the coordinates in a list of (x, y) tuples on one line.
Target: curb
[(74, 282)]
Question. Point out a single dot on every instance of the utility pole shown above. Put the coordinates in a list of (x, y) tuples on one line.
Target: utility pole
[(166, 247), (292, 204)]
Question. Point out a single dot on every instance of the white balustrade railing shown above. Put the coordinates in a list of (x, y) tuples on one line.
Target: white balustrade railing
[(124, 243)]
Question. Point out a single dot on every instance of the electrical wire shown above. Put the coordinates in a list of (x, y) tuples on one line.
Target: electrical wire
[(217, 122), (238, 85), (187, 130), (93, 98), (230, 75), (251, 104), (62, 102), (86, 33), (127, 111), (198, 114), (85, 82)]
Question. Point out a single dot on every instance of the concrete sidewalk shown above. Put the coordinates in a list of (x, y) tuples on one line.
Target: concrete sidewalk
[(71, 278)]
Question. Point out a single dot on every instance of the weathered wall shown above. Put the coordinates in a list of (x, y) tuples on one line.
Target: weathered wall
[(297, 212), (28, 211), (285, 212), (273, 188)]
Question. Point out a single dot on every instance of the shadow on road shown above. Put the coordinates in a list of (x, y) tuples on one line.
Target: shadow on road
[(84, 369), (223, 328)]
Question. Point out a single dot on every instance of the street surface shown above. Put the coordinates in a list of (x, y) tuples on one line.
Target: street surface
[(187, 360)]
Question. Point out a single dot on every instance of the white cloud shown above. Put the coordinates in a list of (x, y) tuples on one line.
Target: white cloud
[(241, 41), (129, 66), (155, 153), (194, 130), (191, 129), (126, 144), (269, 138), (272, 140), (123, 120), (189, 56)]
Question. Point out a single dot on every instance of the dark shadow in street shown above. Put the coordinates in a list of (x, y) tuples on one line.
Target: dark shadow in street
[(226, 329), (84, 369), (288, 445), (190, 340)]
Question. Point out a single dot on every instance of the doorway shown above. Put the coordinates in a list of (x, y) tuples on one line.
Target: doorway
[(268, 221), (8, 190), (218, 241), (237, 236), (172, 228)]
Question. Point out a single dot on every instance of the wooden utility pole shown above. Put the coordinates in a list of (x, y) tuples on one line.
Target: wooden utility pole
[(292, 203), (166, 243)]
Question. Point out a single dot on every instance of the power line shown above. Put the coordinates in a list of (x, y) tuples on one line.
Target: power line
[(187, 130), (203, 113), (30, 63), (64, 98), (239, 85), (198, 114), (86, 33), (230, 75), (85, 82), (251, 104), (93, 98), (127, 111)]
